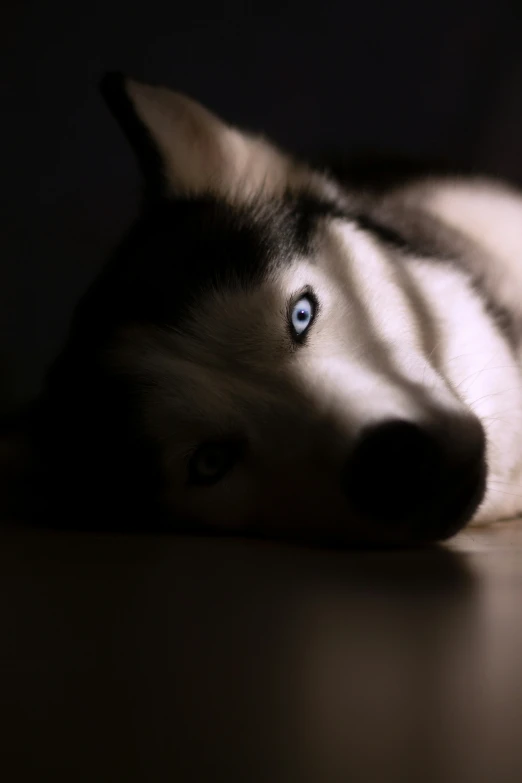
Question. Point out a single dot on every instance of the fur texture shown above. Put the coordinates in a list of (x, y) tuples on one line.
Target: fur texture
[(413, 355)]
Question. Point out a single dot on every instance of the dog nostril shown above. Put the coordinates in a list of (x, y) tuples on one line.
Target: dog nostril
[(392, 469)]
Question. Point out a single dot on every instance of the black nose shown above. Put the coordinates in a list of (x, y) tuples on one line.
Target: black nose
[(431, 478)]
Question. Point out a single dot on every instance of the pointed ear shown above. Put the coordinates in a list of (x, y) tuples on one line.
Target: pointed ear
[(184, 149)]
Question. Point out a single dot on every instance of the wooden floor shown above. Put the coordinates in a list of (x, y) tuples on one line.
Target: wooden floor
[(167, 659)]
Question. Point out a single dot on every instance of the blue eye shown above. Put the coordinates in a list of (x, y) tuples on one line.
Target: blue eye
[(302, 316)]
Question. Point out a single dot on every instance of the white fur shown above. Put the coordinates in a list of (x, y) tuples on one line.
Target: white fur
[(481, 367), (490, 214), (486, 370)]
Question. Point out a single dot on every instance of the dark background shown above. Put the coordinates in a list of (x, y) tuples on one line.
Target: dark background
[(429, 78)]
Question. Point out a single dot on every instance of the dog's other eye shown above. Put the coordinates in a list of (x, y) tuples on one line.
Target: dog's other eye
[(211, 462), (302, 316)]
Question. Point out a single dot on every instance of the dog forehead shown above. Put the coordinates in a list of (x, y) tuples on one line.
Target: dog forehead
[(209, 239), (179, 250)]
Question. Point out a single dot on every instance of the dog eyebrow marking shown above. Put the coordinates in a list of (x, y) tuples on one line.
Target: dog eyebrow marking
[(415, 241), (389, 236)]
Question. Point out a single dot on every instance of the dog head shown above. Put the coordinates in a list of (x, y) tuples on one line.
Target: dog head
[(260, 338)]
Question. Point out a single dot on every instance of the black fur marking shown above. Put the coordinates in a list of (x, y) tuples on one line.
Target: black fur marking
[(95, 469), (381, 173), (184, 247), (425, 238), (112, 88), (384, 233)]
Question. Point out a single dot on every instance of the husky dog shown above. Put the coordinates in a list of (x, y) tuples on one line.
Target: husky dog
[(274, 351)]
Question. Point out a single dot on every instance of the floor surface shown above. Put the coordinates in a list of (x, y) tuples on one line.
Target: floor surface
[(175, 659)]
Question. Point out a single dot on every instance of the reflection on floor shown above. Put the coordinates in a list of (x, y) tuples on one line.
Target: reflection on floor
[(162, 658)]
